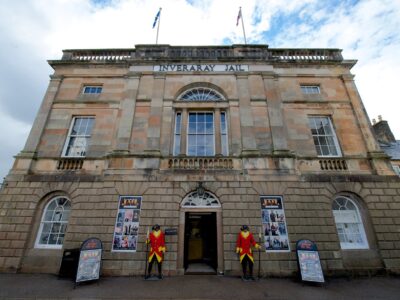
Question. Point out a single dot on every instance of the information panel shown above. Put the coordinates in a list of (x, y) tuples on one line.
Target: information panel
[(309, 263), (89, 260), (127, 224), (274, 224)]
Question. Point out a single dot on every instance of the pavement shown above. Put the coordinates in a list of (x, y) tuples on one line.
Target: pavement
[(195, 287)]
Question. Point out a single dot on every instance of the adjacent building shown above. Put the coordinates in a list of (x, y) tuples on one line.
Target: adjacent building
[(202, 140)]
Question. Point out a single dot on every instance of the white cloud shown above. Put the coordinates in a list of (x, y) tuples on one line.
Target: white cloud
[(32, 31)]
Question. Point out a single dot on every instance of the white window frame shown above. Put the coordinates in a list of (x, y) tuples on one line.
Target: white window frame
[(177, 133), (224, 135), (310, 89), (333, 135), (187, 133), (90, 87), (201, 94), (42, 222), (357, 221), (69, 136)]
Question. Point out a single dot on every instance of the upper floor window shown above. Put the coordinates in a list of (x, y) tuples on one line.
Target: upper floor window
[(324, 136), (310, 89), (177, 133), (92, 89), (201, 134), (54, 223), (201, 94), (349, 224), (78, 137)]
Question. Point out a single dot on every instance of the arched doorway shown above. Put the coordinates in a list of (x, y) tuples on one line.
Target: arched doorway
[(200, 240)]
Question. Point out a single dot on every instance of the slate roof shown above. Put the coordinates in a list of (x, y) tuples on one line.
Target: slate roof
[(391, 149)]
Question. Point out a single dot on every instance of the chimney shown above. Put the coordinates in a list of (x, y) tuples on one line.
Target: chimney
[(382, 131)]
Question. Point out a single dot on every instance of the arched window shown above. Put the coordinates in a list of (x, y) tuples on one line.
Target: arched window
[(349, 224), (54, 223), (205, 199), (201, 94), (201, 131)]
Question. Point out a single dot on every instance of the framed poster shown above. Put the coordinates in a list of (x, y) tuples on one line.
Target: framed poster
[(274, 224), (127, 224), (308, 260), (89, 260)]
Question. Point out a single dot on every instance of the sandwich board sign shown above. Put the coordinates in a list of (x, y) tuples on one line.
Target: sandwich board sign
[(308, 260), (89, 260)]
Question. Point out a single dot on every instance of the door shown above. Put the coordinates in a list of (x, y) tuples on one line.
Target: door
[(200, 253)]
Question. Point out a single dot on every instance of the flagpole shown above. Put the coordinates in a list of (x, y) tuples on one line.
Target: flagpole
[(244, 33), (158, 26)]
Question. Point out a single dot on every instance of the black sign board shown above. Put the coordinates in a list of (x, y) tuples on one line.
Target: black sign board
[(171, 231), (308, 260), (89, 260)]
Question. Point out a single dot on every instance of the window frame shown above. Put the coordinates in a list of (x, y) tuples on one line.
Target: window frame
[(222, 135), (360, 224), (68, 138), (307, 89), (188, 134), (96, 87), (334, 137), (176, 150), (38, 245)]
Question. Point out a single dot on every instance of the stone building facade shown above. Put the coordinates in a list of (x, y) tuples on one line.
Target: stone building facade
[(201, 140)]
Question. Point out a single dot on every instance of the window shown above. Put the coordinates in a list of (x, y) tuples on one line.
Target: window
[(310, 89), (54, 223), (224, 135), (201, 138), (92, 89), (204, 132), (201, 94), (324, 136), (349, 224), (177, 132), (78, 137)]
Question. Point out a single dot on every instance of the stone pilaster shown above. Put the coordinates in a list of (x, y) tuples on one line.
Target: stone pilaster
[(155, 119), (127, 112), (23, 160), (249, 145), (379, 160)]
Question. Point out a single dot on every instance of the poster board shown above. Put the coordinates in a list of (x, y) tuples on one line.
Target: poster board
[(89, 260), (126, 228), (308, 260), (274, 224)]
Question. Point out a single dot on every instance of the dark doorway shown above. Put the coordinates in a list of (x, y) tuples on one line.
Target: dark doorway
[(200, 243)]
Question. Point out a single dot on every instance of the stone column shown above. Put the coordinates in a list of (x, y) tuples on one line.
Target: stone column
[(127, 112), (379, 160), (156, 110)]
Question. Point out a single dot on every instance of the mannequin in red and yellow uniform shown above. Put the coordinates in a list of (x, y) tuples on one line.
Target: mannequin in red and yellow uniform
[(243, 247), (157, 249)]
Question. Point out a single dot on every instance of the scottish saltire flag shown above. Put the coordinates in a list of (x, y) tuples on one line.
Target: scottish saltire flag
[(156, 18), (239, 16)]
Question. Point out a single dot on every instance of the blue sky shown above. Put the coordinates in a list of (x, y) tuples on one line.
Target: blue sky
[(33, 31)]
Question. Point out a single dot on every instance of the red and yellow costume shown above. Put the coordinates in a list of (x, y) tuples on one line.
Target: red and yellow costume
[(244, 243), (157, 245)]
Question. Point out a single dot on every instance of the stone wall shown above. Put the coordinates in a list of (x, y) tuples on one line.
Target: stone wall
[(307, 207)]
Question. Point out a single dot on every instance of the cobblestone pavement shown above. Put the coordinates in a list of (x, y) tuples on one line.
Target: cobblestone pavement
[(193, 287)]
